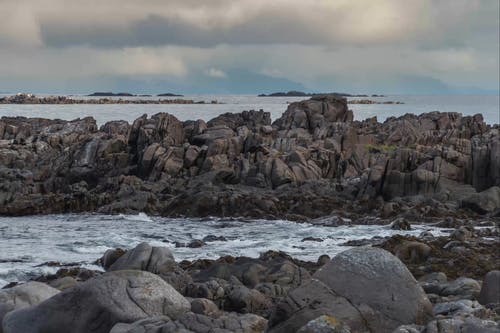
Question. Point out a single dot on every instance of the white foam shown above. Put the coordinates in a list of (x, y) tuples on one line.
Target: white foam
[(84, 238)]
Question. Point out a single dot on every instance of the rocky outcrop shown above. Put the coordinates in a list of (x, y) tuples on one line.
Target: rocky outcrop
[(312, 161)]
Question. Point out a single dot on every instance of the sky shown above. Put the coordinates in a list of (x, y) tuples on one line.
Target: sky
[(250, 46)]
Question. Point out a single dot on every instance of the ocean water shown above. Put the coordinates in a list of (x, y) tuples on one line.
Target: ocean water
[(28, 242), (488, 105)]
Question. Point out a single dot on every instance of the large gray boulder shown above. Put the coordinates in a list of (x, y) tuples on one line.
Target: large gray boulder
[(99, 303), (144, 257), (23, 296), (366, 288), (157, 260)]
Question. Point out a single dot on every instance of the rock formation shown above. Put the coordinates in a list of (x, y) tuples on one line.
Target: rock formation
[(312, 161)]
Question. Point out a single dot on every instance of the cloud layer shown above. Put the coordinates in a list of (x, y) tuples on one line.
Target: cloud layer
[(319, 43)]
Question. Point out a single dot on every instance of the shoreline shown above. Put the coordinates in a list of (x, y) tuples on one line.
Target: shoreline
[(64, 100)]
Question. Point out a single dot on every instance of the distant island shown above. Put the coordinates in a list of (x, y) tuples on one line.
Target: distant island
[(32, 99), (169, 95), (111, 94), (294, 93)]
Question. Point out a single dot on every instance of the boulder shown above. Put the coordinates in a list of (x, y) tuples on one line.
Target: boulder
[(144, 257), (23, 296), (365, 288), (484, 202), (157, 260), (99, 303), (490, 290)]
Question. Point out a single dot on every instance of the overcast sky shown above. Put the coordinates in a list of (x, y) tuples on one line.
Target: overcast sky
[(398, 46)]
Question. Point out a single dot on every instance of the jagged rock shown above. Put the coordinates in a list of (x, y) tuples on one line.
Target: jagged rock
[(311, 161)]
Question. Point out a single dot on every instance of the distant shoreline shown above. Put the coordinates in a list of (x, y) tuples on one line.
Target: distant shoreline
[(294, 93), (32, 99)]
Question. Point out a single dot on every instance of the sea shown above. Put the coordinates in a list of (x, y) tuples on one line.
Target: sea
[(28, 243), (487, 105)]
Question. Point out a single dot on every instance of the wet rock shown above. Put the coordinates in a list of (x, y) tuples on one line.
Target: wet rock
[(98, 304), (110, 256), (196, 243), (213, 238), (311, 239), (400, 224)]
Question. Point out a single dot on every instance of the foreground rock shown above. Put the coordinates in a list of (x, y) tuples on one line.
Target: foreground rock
[(312, 162), (195, 323), (24, 296), (366, 288), (98, 304)]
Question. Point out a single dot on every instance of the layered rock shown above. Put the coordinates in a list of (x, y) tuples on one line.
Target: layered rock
[(313, 160)]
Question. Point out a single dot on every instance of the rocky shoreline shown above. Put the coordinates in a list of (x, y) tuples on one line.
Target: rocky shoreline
[(447, 284), (32, 99), (312, 162)]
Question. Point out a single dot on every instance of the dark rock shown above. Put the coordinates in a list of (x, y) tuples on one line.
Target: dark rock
[(490, 290)]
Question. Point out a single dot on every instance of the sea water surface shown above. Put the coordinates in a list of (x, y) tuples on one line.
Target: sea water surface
[(488, 105), (26, 243)]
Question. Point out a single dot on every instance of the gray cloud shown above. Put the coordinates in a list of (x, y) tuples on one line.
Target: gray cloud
[(311, 42)]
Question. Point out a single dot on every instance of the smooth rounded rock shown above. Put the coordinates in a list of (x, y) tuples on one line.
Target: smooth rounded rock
[(99, 303), (23, 296)]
